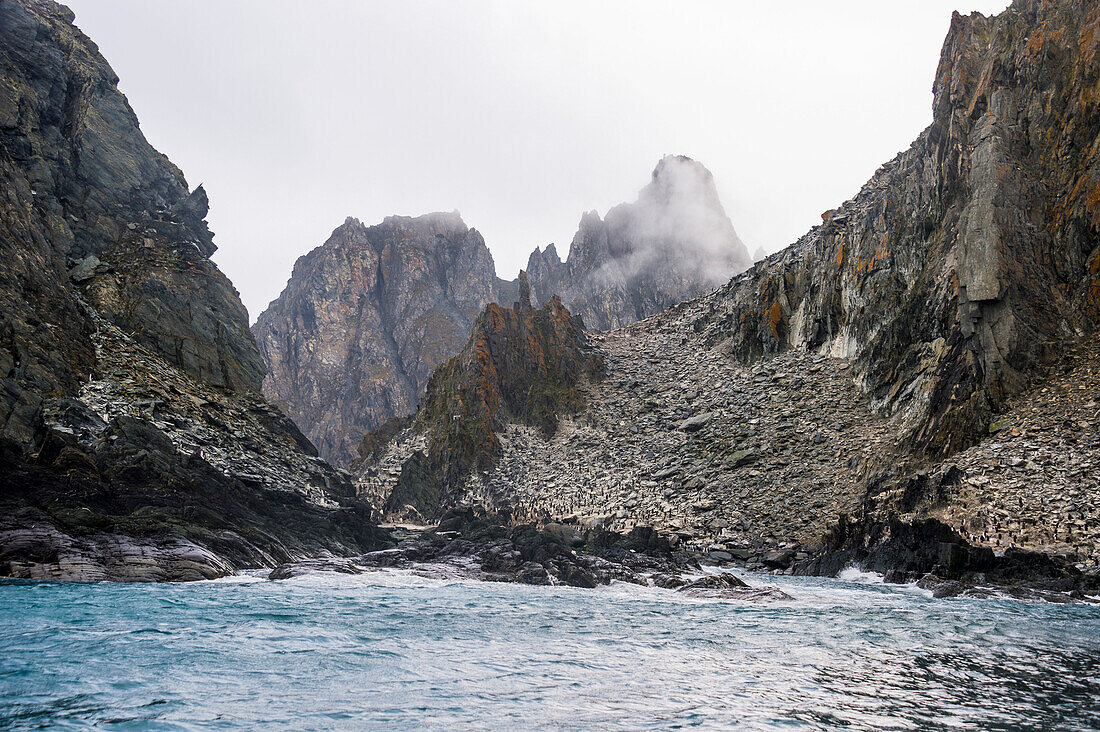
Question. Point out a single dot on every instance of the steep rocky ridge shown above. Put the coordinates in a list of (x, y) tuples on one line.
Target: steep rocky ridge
[(366, 318), (106, 284), (912, 380), (674, 243), (683, 438), (969, 259), (521, 365)]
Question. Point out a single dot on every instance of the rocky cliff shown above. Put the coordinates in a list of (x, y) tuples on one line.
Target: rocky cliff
[(133, 442), (970, 259), (674, 243), (366, 318), (521, 365), (912, 382)]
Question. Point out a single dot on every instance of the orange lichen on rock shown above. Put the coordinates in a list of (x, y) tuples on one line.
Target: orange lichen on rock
[(1038, 40), (775, 317), (868, 264), (1092, 200), (1089, 39), (520, 365)]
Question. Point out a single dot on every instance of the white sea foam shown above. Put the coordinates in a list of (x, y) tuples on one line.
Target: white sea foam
[(855, 574), (244, 577)]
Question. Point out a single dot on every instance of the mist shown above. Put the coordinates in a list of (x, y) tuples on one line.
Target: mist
[(678, 225), (520, 115)]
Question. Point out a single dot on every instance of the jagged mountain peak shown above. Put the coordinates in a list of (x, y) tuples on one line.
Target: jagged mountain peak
[(538, 257), (438, 220), (673, 242), (520, 364), (678, 176), (366, 316), (680, 211)]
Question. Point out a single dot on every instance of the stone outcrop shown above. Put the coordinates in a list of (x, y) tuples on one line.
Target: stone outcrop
[(924, 358), (674, 243), (969, 259), (131, 431), (87, 198), (366, 318), (521, 365), (492, 548)]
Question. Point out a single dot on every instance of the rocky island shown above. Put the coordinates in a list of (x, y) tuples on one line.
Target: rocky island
[(909, 387), (912, 387)]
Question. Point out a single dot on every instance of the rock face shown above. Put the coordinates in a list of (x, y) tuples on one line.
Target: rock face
[(85, 193), (674, 243), (366, 318), (923, 358), (130, 429), (970, 258), (521, 365)]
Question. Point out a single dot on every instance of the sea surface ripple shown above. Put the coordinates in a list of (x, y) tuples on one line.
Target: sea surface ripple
[(395, 650)]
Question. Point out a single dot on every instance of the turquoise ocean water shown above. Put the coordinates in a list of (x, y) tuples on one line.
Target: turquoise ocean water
[(394, 650)]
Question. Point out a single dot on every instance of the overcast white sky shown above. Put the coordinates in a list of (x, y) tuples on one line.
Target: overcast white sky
[(297, 114)]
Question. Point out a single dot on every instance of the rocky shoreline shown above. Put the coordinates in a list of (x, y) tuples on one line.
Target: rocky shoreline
[(912, 386), (469, 545)]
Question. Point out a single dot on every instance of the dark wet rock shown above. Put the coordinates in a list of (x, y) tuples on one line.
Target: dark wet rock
[(778, 558), (722, 581), (533, 573), (576, 576), (728, 586), (667, 581), (488, 547), (133, 444), (307, 566), (930, 551), (944, 588)]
